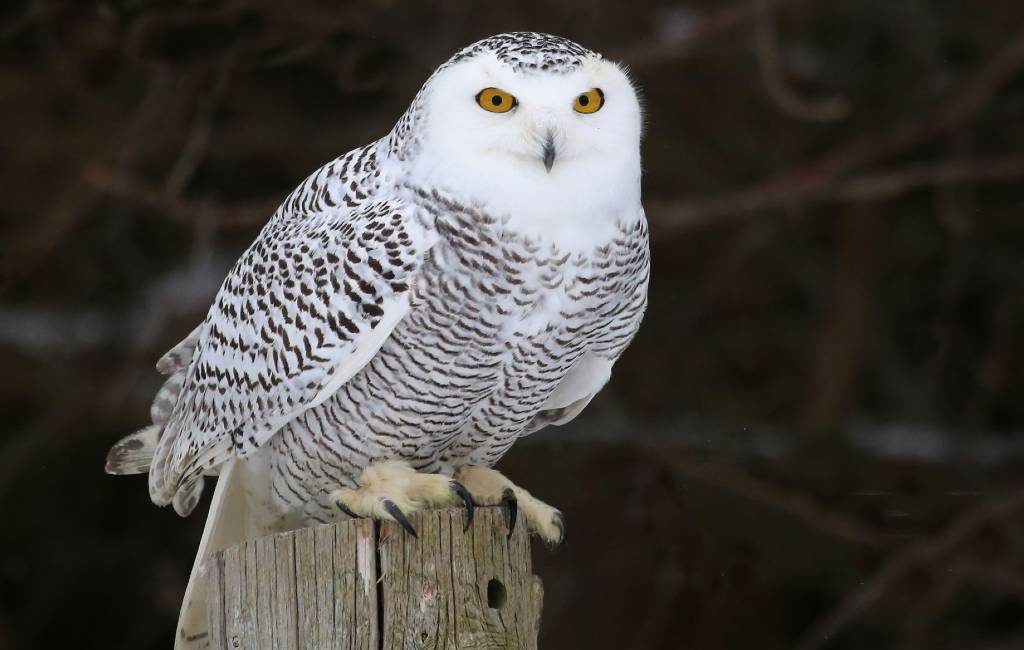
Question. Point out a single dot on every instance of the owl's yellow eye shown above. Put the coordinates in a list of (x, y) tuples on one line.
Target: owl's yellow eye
[(589, 102), (495, 100)]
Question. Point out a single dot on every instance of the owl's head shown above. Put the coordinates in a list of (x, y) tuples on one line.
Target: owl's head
[(529, 113)]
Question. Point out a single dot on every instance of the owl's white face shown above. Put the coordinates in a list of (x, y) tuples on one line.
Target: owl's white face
[(530, 145)]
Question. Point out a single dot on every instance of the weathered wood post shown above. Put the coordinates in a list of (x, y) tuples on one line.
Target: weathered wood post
[(358, 584)]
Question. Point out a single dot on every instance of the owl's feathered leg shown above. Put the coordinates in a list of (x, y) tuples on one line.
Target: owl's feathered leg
[(393, 489), (490, 487)]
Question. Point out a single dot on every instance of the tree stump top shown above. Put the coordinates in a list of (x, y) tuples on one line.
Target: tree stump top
[(367, 585)]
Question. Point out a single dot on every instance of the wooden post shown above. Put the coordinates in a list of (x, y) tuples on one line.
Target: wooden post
[(365, 585)]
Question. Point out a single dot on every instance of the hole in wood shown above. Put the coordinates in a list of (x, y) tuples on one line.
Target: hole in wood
[(496, 595)]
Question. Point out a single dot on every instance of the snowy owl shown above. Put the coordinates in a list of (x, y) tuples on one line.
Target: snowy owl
[(413, 308)]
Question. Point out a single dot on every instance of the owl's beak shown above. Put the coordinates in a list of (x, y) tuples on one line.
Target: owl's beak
[(549, 150)]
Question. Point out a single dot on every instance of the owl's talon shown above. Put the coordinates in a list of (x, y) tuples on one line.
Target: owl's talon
[(490, 488), (348, 511), (460, 490), (399, 516), (393, 490), (559, 521), (508, 498)]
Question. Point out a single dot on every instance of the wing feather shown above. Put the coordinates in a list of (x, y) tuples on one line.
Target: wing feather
[(303, 310), (583, 381)]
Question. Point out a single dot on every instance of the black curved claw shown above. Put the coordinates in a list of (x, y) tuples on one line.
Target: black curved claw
[(341, 506), (508, 497), (560, 522), (399, 516), (467, 498)]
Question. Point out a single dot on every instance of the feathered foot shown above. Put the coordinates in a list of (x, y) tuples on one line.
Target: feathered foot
[(392, 489), (490, 487)]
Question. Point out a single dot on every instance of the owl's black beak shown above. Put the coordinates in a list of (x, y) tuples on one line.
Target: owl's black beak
[(549, 151)]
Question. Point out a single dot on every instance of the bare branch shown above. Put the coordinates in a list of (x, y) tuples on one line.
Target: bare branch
[(773, 76), (920, 554), (736, 481), (886, 185), (712, 26), (812, 180), (668, 217), (199, 132)]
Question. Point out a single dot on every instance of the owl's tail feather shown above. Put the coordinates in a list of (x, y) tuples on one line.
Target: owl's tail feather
[(228, 523), (230, 520), (133, 454)]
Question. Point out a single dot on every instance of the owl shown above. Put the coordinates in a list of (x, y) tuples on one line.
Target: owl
[(413, 308)]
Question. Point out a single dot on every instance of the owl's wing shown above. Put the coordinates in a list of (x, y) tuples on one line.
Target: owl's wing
[(583, 381), (302, 311)]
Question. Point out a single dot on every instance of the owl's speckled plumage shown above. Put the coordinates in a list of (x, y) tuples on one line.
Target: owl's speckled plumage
[(430, 297), (496, 323)]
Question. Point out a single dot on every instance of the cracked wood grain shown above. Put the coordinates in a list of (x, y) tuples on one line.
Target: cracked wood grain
[(363, 586)]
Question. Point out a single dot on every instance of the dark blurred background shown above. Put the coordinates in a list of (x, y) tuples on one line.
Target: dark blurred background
[(814, 442)]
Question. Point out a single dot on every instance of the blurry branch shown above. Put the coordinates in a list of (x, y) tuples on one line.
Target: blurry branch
[(198, 139), (298, 27), (924, 555), (738, 482), (919, 555), (773, 74), (1003, 578), (950, 579), (31, 13), (817, 179), (34, 248), (886, 185), (669, 217), (50, 434), (97, 179), (923, 615), (185, 211), (663, 606), (841, 336), (712, 26)]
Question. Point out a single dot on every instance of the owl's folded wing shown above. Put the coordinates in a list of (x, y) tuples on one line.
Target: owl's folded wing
[(302, 311)]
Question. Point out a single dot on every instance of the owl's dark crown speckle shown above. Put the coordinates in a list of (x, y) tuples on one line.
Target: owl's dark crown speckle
[(530, 52)]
